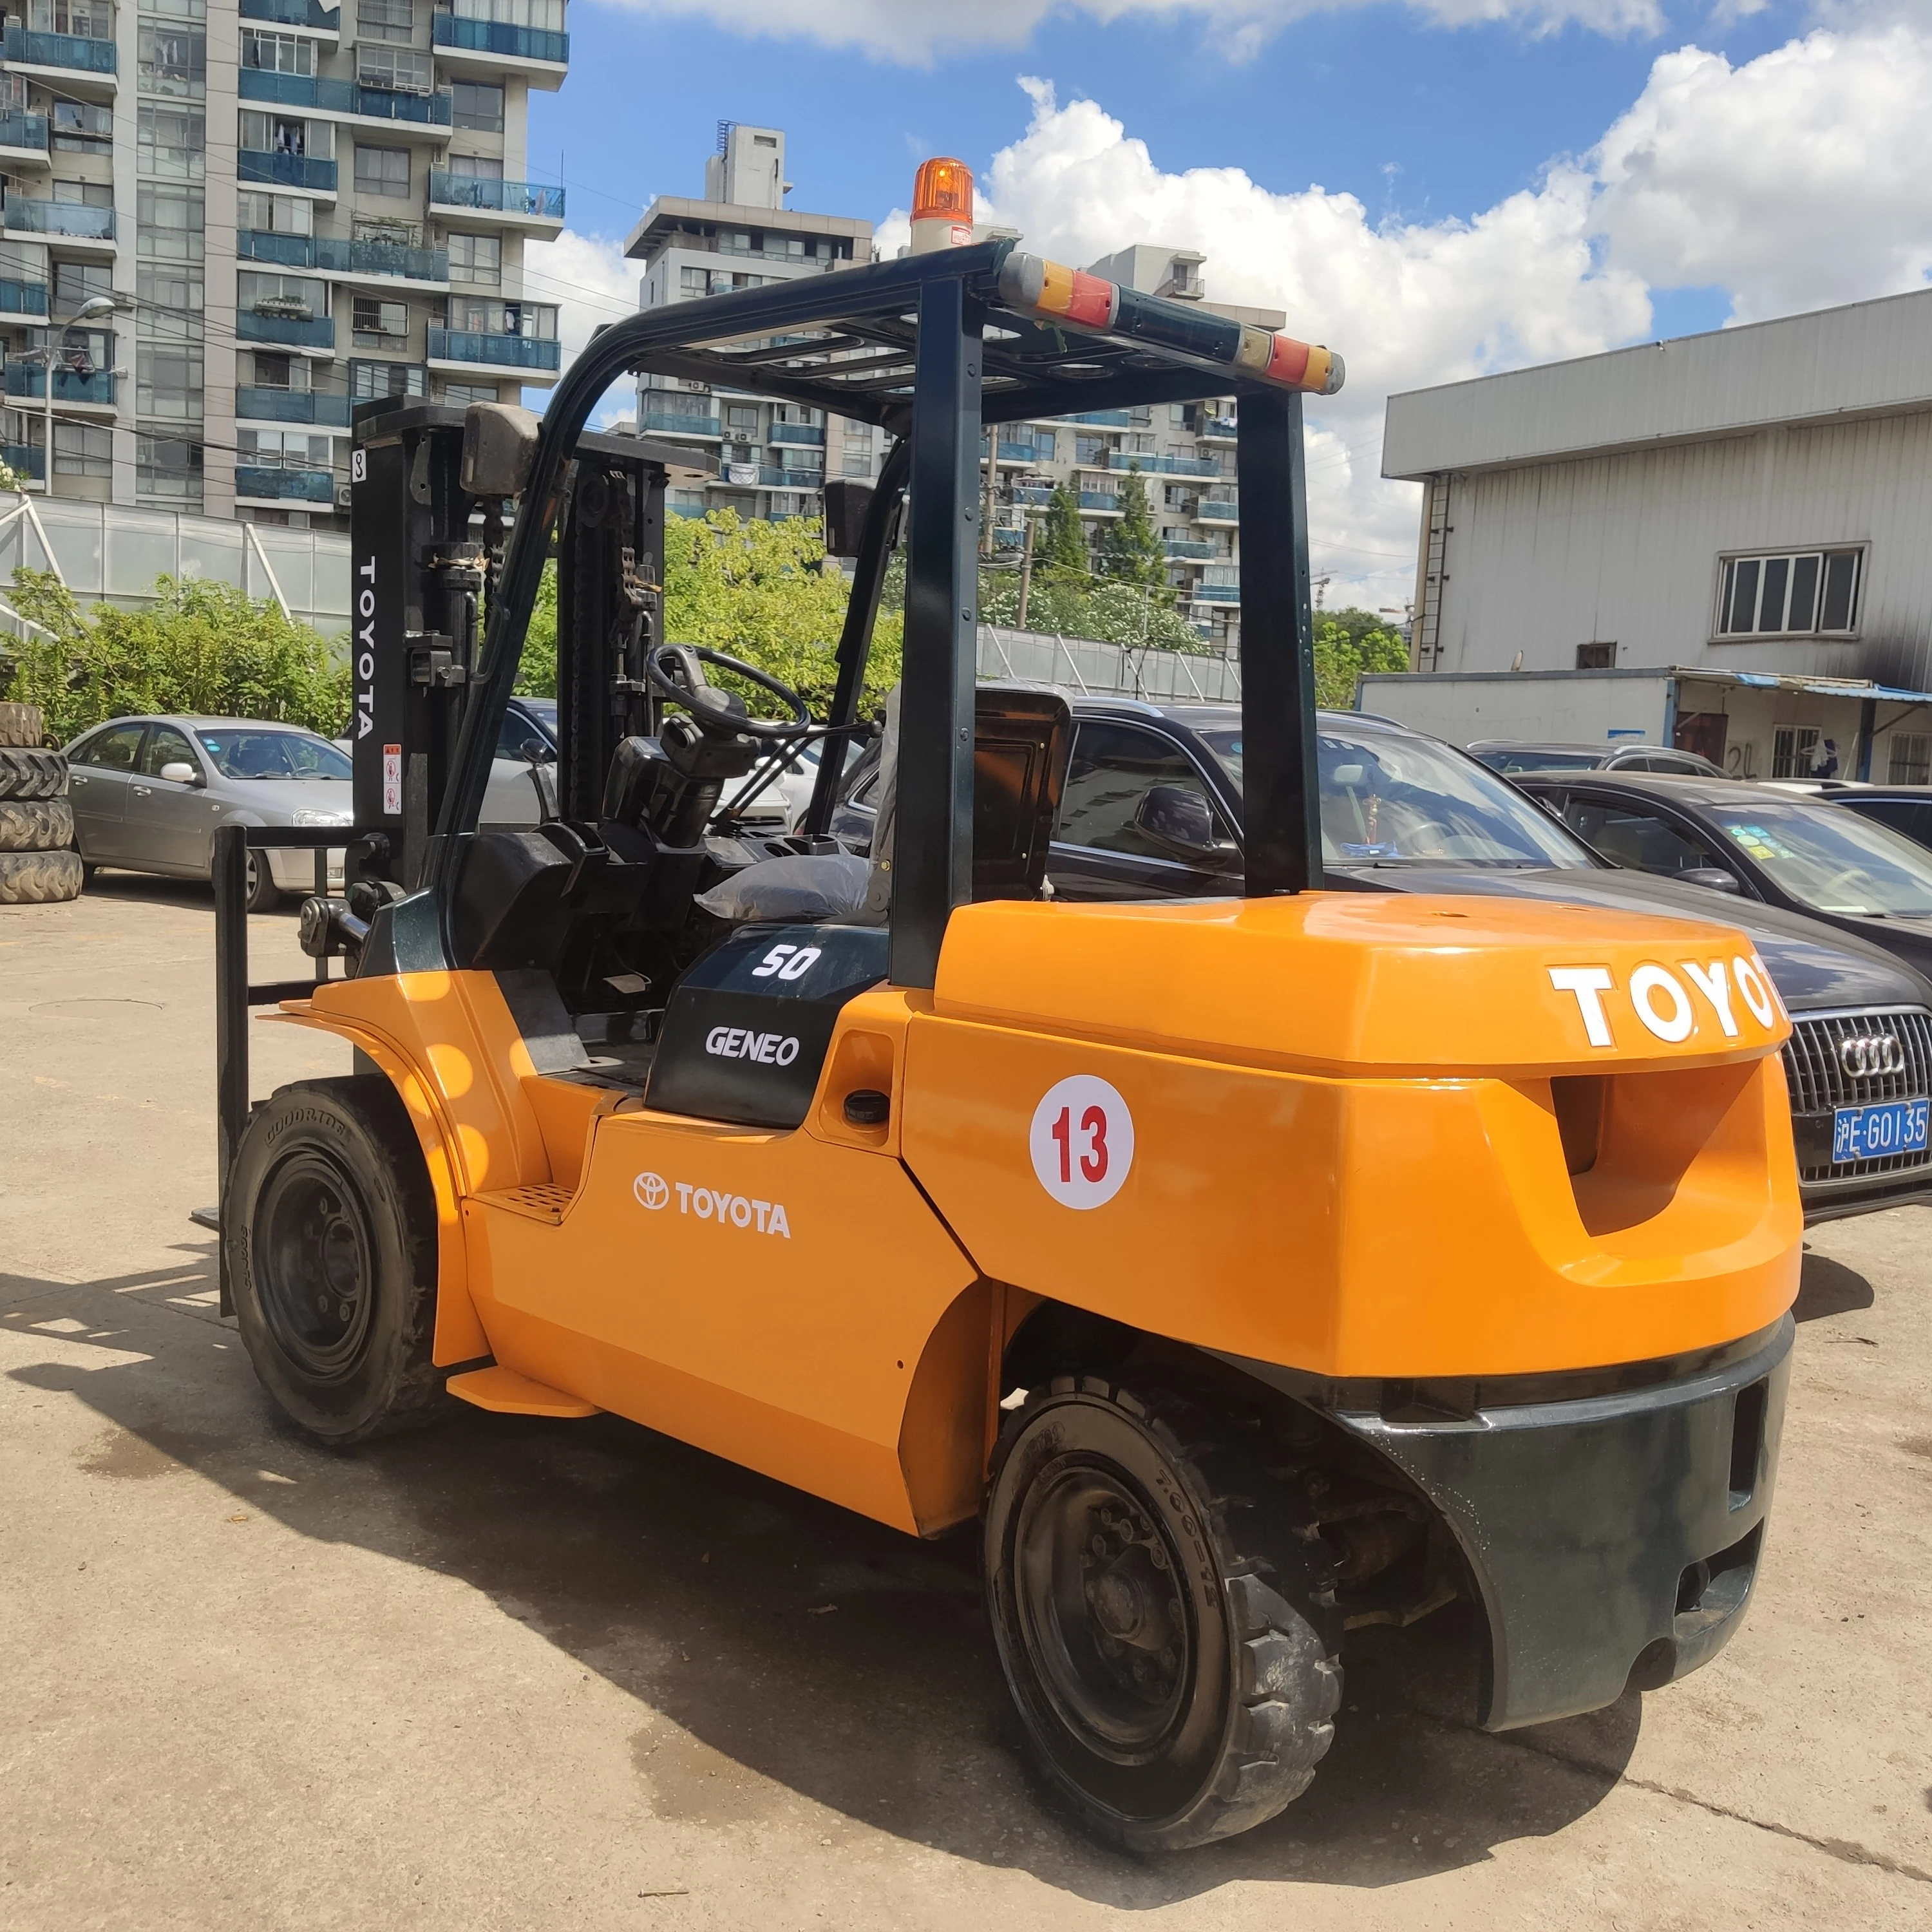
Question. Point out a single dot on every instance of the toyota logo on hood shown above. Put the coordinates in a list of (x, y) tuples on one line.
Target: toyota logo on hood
[(1868, 1054)]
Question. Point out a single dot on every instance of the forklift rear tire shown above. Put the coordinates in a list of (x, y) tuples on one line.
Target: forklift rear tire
[(331, 1230), (1166, 1630)]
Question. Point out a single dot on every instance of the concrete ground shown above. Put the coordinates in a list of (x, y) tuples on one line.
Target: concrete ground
[(527, 1675)]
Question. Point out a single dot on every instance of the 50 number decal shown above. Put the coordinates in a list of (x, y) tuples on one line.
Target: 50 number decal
[(1082, 1141)]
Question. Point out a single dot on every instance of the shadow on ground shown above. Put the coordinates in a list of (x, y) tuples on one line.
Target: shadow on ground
[(797, 1648), (1827, 1288)]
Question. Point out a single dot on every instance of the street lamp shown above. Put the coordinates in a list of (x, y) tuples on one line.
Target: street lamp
[(96, 308)]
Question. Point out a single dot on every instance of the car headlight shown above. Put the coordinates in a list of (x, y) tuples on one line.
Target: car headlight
[(306, 817)]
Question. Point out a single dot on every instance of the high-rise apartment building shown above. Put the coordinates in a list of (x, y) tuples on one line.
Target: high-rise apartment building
[(1184, 452), (773, 457), (291, 209)]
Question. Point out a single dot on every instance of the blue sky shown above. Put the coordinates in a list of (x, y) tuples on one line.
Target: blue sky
[(1437, 196)]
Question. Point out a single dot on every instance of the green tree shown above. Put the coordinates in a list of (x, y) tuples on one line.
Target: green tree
[(1131, 551), (1064, 544), (200, 647), (1344, 648)]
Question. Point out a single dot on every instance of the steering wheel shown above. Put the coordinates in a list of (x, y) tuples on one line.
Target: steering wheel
[(673, 670)]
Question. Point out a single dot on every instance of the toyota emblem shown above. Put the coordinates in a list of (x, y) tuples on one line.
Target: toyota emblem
[(1869, 1054)]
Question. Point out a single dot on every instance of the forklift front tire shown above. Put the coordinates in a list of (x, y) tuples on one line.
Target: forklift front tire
[(1165, 1629), (331, 1230)]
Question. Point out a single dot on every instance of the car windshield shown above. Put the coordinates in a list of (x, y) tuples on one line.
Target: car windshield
[(1833, 860), (1404, 801), (1527, 758), (273, 754)]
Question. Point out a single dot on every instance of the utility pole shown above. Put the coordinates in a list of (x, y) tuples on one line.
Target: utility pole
[(1026, 569)]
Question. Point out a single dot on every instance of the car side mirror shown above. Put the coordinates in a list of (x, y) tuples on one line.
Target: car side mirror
[(499, 449), (1715, 877), (178, 771), (1180, 823)]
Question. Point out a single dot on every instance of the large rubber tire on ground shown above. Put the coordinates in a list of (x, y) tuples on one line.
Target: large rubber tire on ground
[(27, 772), (21, 725), (39, 878), (330, 1230), (1168, 1632), (46, 825)]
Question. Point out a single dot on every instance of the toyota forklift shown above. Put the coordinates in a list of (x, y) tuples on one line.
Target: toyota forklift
[(1249, 1271)]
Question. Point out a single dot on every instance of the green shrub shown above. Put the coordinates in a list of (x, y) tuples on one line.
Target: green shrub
[(200, 647)]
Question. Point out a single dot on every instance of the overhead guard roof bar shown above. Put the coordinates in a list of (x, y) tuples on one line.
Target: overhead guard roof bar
[(1041, 340)]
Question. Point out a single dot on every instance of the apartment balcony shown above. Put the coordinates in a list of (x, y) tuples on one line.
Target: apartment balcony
[(797, 433), (254, 169), (312, 406), (768, 476), (308, 15), (1219, 429), (406, 113), (30, 379), (1163, 466), (466, 46), (468, 201), (28, 299), (358, 261), (459, 350), (1032, 498), (23, 140), (1017, 455), (264, 483), (286, 332), (1216, 593), (24, 460), (1100, 503), (1189, 550), (1217, 510), (1103, 418), (70, 60), (27, 218), (665, 422)]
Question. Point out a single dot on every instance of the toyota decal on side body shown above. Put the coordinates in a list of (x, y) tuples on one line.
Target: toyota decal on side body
[(718, 1205)]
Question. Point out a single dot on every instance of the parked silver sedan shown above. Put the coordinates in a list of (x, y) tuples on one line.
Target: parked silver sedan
[(148, 793)]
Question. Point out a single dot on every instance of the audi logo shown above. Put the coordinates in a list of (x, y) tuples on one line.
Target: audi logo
[(1873, 1053)]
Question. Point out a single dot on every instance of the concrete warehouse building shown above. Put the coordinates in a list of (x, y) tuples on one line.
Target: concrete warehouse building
[(1757, 500), (291, 209)]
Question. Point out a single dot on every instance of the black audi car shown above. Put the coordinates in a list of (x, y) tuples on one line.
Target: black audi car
[(1151, 808)]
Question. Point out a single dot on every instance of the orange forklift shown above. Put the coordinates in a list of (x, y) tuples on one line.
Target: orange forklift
[(1248, 1270)]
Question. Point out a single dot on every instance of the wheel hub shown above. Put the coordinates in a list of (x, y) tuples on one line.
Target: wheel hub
[(313, 1265)]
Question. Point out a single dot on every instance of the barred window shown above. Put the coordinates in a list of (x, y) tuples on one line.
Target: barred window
[(1910, 758), (377, 324)]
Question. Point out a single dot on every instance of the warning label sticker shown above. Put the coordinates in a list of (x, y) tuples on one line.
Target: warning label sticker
[(392, 781)]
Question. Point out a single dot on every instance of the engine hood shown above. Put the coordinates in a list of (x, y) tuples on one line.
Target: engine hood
[(1816, 966)]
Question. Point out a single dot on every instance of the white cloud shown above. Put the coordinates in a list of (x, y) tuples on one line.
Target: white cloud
[(591, 283), (1796, 180), (915, 31)]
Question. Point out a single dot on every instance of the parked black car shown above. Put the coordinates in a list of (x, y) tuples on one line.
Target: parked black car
[(1510, 756), (1906, 808), (1152, 809)]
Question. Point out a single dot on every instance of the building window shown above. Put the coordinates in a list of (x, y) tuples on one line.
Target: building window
[(1090, 451), (167, 469), (273, 371), (398, 69), (459, 395), (278, 134), (1911, 758), (173, 143), (386, 20), (376, 324), (383, 172), (78, 282), (173, 62), (276, 53), (84, 449), (742, 419), (476, 258), (171, 302), (274, 213), (282, 449), (86, 193), (1793, 749), (476, 105), (169, 222), (476, 167), (369, 380), (81, 128), (168, 382), (1795, 594), (291, 298), (1597, 657), (85, 20)]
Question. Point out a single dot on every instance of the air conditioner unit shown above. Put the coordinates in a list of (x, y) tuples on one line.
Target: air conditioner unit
[(342, 496)]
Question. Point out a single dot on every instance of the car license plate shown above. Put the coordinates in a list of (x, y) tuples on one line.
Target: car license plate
[(1870, 1133)]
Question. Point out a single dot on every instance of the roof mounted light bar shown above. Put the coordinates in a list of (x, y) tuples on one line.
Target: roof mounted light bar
[(1057, 293)]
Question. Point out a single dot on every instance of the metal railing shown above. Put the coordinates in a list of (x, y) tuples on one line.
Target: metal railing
[(23, 298), (1188, 548), (80, 220), (677, 425), (294, 13), (30, 379), (23, 130), (24, 46), (301, 486), (1162, 466), (337, 255), (318, 408), (1102, 418), (300, 332), (536, 199), (25, 459), (500, 37), (1217, 510), (506, 352), (798, 432), (1105, 501), (254, 168), (342, 97)]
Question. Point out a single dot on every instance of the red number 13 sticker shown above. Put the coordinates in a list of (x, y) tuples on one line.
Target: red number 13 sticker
[(1082, 1141)]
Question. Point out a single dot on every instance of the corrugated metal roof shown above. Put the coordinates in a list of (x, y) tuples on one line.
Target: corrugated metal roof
[(1762, 680), (1867, 358)]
